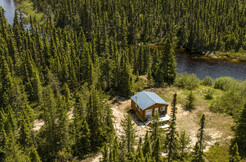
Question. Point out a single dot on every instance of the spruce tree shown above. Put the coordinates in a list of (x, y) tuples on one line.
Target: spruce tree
[(13, 152), (6, 93), (66, 91), (34, 156), (37, 86), (170, 64), (201, 135), (105, 157), (84, 139), (157, 149), (25, 133), (97, 114), (11, 123), (115, 151), (147, 145), (14, 53), (166, 71), (106, 70), (184, 141), (49, 131), (129, 134), (81, 128), (198, 149), (63, 137), (3, 134), (172, 135), (125, 83), (147, 60), (155, 129), (190, 102), (150, 79), (234, 155), (240, 133), (90, 71), (47, 55), (140, 60), (140, 144), (196, 153)]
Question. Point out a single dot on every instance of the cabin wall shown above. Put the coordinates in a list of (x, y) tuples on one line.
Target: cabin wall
[(139, 111), (142, 113), (153, 109)]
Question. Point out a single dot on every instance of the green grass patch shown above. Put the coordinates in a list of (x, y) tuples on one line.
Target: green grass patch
[(240, 55)]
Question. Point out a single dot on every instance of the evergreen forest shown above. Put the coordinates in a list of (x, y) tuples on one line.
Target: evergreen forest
[(62, 70)]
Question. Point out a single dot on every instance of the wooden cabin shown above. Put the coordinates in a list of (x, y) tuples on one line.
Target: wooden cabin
[(146, 104)]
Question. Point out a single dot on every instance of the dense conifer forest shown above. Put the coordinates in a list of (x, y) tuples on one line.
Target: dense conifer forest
[(87, 50), (194, 24)]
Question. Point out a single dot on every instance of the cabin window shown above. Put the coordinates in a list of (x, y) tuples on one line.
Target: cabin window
[(137, 107), (148, 113), (162, 108)]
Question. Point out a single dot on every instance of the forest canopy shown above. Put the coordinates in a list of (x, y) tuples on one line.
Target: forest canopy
[(85, 50), (198, 25)]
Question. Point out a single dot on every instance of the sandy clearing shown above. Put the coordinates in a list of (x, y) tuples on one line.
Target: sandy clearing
[(120, 107), (187, 121), (39, 122), (96, 158), (70, 113)]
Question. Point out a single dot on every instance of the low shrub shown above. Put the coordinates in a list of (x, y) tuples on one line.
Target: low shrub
[(224, 83), (207, 81), (190, 102), (188, 81), (231, 103), (209, 94), (233, 99)]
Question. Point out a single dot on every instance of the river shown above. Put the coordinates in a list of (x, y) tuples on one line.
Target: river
[(185, 63), (9, 7), (214, 68)]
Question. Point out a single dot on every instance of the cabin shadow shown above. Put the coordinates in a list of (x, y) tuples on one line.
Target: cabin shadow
[(135, 117)]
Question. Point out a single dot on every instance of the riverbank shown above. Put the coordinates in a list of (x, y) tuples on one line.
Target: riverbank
[(27, 7), (228, 56)]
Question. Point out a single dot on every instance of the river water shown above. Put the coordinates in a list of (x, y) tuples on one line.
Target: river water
[(213, 68), (185, 63), (9, 7)]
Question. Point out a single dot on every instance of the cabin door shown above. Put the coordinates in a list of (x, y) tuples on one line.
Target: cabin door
[(156, 110)]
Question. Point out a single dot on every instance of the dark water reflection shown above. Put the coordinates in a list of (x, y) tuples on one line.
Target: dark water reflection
[(213, 68)]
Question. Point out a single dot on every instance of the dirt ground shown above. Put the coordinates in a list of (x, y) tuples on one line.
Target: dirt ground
[(38, 123), (120, 107), (217, 126), (95, 158)]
